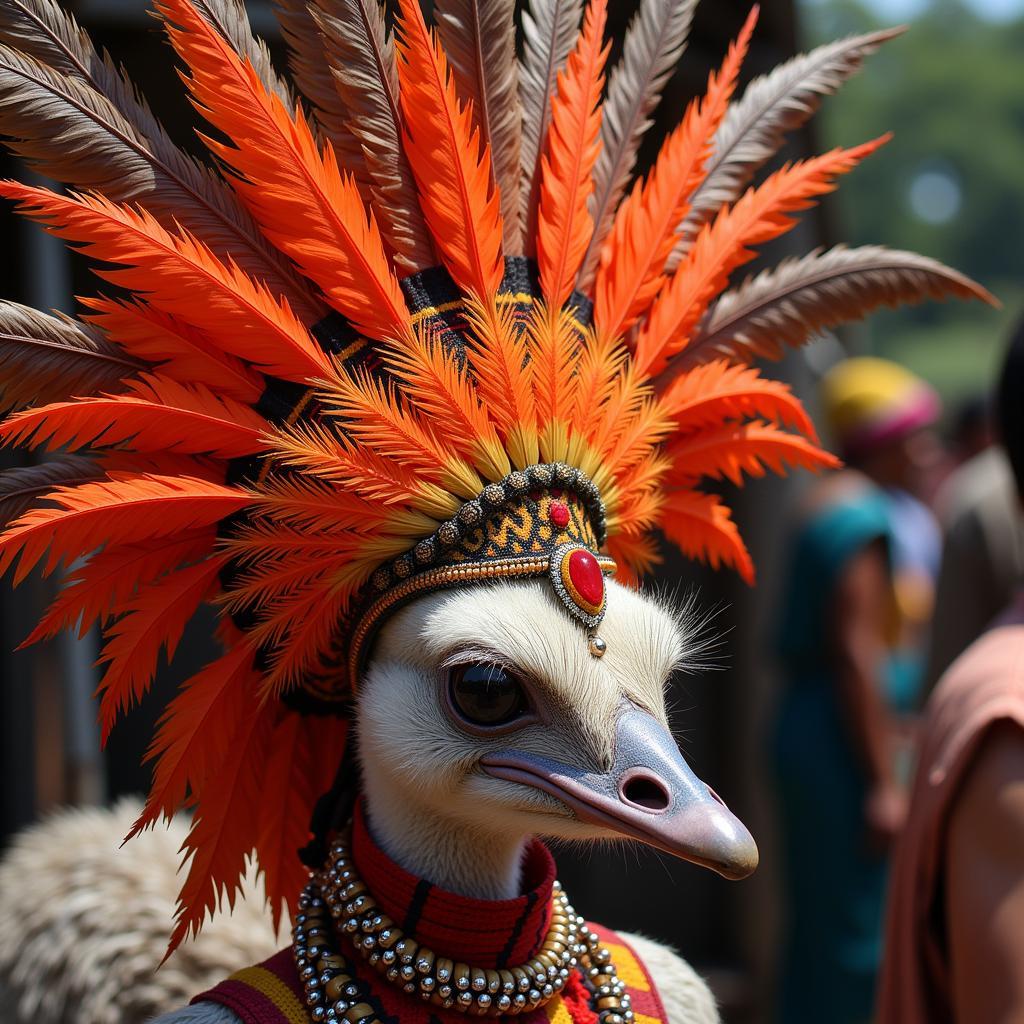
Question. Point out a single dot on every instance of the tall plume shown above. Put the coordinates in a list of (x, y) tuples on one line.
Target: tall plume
[(228, 17), (299, 197), (790, 303), (450, 161), (549, 31), (361, 56), (21, 488), (311, 71), (564, 225), (653, 45), (49, 358), (479, 37), (771, 107), (74, 116)]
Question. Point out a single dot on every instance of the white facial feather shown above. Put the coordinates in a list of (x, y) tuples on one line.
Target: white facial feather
[(429, 803)]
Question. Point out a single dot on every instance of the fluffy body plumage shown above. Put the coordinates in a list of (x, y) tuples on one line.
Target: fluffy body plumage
[(418, 153)]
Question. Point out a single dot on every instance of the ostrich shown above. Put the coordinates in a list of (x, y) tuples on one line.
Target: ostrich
[(401, 391)]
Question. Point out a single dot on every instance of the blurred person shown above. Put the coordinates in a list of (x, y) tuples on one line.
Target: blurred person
[(858, 594), (955, 927), (982, 554)]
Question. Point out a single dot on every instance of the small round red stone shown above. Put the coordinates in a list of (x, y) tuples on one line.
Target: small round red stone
[(586, 577), (558, 513)]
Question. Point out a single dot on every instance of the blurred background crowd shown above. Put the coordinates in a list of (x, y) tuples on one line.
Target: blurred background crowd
[(871, 581)]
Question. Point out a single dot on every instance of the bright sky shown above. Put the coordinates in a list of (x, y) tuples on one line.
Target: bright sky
[(994, 10)]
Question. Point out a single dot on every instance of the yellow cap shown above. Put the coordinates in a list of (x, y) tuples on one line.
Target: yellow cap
[(869, 402)]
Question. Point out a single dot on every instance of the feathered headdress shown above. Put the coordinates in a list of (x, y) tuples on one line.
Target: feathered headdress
[(420, 329)]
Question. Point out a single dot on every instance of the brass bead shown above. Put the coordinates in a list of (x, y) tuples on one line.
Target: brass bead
[(356, 1013), (334, 989)]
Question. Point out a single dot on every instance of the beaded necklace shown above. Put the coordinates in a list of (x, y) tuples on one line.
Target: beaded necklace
[(336, 900)]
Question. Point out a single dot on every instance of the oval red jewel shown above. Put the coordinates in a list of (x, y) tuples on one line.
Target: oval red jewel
[(586, 577), (559, 514)]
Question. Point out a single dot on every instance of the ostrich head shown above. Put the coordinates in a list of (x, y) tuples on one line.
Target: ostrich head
[(485, 718)]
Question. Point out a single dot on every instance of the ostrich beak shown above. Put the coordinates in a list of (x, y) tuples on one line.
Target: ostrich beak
[(649, 794)]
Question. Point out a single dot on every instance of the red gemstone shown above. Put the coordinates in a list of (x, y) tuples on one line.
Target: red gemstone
[(559, 514), (586, 577)]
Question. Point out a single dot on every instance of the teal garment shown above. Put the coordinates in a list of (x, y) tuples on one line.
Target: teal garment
[(835, 886)]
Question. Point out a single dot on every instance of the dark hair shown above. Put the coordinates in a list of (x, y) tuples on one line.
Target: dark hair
[(1010, 404)]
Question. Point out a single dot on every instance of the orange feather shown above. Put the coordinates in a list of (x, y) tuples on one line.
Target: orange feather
[(601, 364), (305, 626), (376, 416), (715, 392), (238, 314), (195, 732), (296, 775), (314, 449), (111, 576), (761, 214), (635, 557), (314, 506), (156, 414), (299, 197), (182, 352), (499, 357), (130, 508), (450, 161), (645, 227), (555, 352), (730, 451), (702, 528), (432, 378), (224, 829), (564, 225), (151, 620)]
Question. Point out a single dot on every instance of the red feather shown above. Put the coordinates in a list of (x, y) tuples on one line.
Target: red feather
[(182, 352), (129, 508), (451, 164), (157, 415), (564, 225), (151, 620), (301, 200), (171, 270)]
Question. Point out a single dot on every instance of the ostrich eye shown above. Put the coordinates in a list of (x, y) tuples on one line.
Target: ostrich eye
[(486, 695)]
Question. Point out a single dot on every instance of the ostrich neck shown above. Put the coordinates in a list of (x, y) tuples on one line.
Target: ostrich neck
[(468, 860)]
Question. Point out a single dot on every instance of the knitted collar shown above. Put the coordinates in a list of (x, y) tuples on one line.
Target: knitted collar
[(486, 933)]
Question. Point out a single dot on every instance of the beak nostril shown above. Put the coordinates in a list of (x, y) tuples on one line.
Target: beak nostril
[(646, 791)]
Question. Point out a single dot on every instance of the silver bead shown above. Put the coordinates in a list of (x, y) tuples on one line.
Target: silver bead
[(483, 1001), (465, 998), (504, 1002)]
